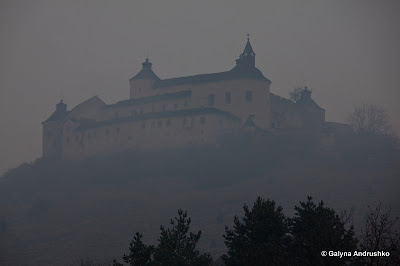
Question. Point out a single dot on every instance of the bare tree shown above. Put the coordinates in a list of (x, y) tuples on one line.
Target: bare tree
[(370, 120), (295, 94), (380, 234)]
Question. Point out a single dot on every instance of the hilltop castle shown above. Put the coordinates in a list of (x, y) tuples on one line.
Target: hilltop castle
[(177, 112)]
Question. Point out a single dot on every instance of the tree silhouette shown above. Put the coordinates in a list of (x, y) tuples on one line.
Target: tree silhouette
[(370, 120), (177, 246), (316, 228), (259, 238), (139, 253), (380, 234)]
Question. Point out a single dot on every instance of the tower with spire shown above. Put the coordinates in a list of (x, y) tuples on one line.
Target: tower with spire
[(247, 59)]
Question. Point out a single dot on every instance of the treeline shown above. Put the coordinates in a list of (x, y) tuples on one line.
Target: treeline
[(265, 236)]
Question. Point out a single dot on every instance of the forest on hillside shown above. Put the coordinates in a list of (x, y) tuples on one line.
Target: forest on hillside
[(62, 212)]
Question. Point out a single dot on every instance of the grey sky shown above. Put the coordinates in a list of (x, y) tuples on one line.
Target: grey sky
[(347, 52)]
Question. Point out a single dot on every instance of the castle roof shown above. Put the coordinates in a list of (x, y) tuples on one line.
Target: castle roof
[(244, 69), (60, 113), (165, 96), (235, 73), (146, 72), (306, 100), (56, 116), (88, 123)]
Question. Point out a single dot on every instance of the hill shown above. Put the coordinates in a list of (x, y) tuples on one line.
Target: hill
[(56, 212)]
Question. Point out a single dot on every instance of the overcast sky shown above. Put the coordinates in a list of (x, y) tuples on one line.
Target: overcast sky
[(347, 52)]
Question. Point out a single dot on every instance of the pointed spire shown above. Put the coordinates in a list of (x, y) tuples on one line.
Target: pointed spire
[(248, 50), (247, 58)]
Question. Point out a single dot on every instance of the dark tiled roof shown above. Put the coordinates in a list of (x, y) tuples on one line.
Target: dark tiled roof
[(277, 98), (149, 99), (87, 124), (146, 72), (57, 115), (235, 73), (306, 100)]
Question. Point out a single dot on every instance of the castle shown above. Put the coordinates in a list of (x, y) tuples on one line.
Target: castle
[(177, 112)]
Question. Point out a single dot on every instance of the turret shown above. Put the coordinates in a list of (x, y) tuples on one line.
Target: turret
[(142, 82), (247, 59), (52, 132)]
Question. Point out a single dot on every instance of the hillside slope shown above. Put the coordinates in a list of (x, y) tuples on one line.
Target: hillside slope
[(54, 213)]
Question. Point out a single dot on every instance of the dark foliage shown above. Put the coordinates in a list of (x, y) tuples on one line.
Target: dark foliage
[(316, 228), (380, 234), (139, 253), (177, 246), (259, 238)]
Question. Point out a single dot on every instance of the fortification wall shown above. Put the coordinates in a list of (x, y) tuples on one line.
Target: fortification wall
[(172, 132)]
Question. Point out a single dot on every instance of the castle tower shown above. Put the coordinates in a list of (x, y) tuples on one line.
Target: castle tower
[(248, 58), (141, 85), (53, 131)]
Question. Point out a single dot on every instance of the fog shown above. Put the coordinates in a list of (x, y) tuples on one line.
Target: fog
[(347, 53)]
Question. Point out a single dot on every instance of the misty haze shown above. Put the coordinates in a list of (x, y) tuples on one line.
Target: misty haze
[(199, 133)]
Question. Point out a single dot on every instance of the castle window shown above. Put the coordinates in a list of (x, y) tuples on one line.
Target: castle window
[(202, 120), (159, 124), (176, 106), (168, 124), (143, 125), (211, 99), (228, 97), (249, 96)]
